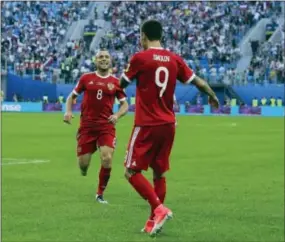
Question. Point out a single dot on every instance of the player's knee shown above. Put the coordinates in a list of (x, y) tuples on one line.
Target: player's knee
[(84, 160), (129, 173), (106, 158)]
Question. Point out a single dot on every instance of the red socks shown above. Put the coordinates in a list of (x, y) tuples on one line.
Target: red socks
[(104, 176), (145, 189), (160, 190)]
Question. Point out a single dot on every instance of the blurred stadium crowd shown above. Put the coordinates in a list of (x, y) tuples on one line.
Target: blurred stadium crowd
[(32, 33), (206, 34)]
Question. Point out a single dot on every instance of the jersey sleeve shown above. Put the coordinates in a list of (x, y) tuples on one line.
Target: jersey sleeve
[(121, 95), (80, 87), (185, 74), (132, 70)]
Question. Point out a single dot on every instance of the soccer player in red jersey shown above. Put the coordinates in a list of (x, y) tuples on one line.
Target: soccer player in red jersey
[(155, 70), (97, 122)]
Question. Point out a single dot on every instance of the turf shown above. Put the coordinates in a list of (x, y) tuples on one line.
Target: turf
[(226, 183)]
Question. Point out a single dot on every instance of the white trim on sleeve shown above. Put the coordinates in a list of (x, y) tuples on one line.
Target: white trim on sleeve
[(190, 79), (122, 99)]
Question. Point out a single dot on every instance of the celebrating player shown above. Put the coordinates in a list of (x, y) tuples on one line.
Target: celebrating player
[(156, 71), (97, 124)]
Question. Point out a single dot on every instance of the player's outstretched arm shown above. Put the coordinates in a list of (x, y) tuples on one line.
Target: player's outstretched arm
[(68, 113), (204, 87), (131, 71), (124, 107)]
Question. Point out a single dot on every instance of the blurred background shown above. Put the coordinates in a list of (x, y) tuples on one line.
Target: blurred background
[(238, 47)]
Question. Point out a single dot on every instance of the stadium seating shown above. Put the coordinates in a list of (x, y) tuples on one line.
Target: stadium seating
[(32, 33), (207, 33)]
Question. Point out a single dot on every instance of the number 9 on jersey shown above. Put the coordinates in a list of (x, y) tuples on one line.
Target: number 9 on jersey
[(160, 84)]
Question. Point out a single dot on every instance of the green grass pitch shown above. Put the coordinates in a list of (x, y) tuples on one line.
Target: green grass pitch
[(226, 183)]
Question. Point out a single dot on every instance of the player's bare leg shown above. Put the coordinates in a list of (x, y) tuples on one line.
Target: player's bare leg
[(83, 162), (106, 155)]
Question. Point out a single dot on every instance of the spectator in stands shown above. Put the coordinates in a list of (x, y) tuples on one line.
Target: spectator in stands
[(227, 101), (55, 75), (268, 61), (213, 74), (199, 99), (43, 76), (187, 106), (222, 71), (15, 98), (272, 101), (61, 98), (270, 28), (255, 102), (279, 102), (95, 13), (254, 46), (133, 100), (75, 75), (263, 101), (1, 96), (233, 102), (45, 99)]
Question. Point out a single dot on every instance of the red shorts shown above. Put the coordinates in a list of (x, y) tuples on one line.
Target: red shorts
[(150, 146), (89, 140)]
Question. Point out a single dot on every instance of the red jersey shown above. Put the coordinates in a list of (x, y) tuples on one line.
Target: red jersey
[(99, 96), (156, 71)]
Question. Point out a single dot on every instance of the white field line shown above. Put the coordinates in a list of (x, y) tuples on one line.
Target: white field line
[(14, 161)]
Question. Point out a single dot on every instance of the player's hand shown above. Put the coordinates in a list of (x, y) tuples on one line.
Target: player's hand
[(67, 117), (214, 102), (113, 119)]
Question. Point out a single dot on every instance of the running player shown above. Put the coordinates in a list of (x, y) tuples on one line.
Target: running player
[(97, 122)]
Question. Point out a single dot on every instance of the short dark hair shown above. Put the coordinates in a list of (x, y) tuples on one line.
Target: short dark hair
[(152, 29)]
